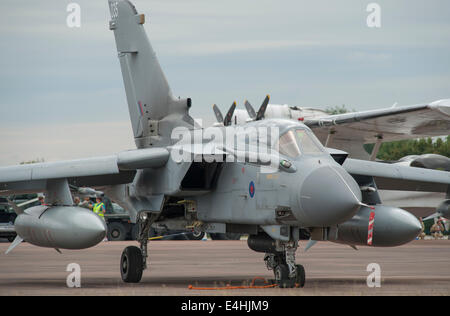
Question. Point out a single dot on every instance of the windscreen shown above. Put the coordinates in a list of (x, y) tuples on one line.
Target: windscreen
[(297, 142), (288, 145), (307, 143)]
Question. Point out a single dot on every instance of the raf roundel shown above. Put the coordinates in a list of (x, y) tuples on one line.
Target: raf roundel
[(251, 189)]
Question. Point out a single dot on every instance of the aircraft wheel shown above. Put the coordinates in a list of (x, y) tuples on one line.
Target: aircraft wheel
[(116, 232), (131, 265), (281, 273), (195, 235), (300, 276), (11, 238)]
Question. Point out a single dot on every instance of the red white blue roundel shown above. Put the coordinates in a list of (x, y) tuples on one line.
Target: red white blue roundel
[(251, 189)]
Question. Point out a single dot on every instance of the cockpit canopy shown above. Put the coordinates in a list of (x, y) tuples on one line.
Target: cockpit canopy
[(296, 142)]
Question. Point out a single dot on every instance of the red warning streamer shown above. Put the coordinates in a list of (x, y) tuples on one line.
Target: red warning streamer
[(370, 229)]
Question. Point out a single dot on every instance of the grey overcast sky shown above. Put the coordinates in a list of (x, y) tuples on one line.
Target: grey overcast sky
[(61, 90)]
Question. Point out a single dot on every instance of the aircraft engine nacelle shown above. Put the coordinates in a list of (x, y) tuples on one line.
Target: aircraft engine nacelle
[(389, 226), (431, 161), (65, 227)]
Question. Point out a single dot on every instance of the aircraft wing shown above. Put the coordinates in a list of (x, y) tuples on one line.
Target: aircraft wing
[(397, 177), (92, 172), (390, 124)]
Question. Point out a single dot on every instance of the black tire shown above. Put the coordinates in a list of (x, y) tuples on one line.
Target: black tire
[(11, 238), (131, 265), (116, 232), (195, 235), (300, 277), (281, 273), (228, 236)]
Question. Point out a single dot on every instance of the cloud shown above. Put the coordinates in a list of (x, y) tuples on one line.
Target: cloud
[(228, 47), (61, 89), (369, 56), (64, 141)]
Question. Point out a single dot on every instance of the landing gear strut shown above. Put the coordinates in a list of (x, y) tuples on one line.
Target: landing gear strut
[(134, 260), (287, 273)]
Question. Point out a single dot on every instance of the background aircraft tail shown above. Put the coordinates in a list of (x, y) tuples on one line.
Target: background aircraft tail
[(154, 112)]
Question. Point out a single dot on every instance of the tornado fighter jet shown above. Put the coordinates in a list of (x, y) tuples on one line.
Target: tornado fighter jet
[(271, 179)]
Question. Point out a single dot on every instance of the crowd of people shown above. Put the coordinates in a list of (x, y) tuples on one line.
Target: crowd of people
[(98, 207), (437, 229)]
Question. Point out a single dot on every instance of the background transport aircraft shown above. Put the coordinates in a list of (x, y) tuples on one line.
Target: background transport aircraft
[(421, 204), (350, 131), (278, 190)]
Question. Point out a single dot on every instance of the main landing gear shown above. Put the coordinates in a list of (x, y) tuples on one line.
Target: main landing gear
[(287, 273), (134, 260), (131, 265)]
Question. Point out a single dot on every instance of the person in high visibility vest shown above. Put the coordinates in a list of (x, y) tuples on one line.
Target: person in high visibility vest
[(99, 208)]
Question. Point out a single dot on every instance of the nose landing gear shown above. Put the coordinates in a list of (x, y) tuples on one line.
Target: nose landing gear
[(287, 273)]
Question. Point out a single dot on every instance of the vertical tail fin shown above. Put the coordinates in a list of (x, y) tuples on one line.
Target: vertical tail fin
[(229, 116), (153, 110), (250, 110)]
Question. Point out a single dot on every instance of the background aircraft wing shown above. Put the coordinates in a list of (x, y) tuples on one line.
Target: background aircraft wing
[(91, 172), (397, 177), (389, 124)]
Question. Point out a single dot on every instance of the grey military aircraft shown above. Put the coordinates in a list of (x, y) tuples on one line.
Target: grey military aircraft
[(421, 204), (271, 179)]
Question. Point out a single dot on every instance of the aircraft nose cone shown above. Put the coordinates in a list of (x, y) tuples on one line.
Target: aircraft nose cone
[(412, 227), (329, 196), (403, 226), (96, 228), (90, 229)]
